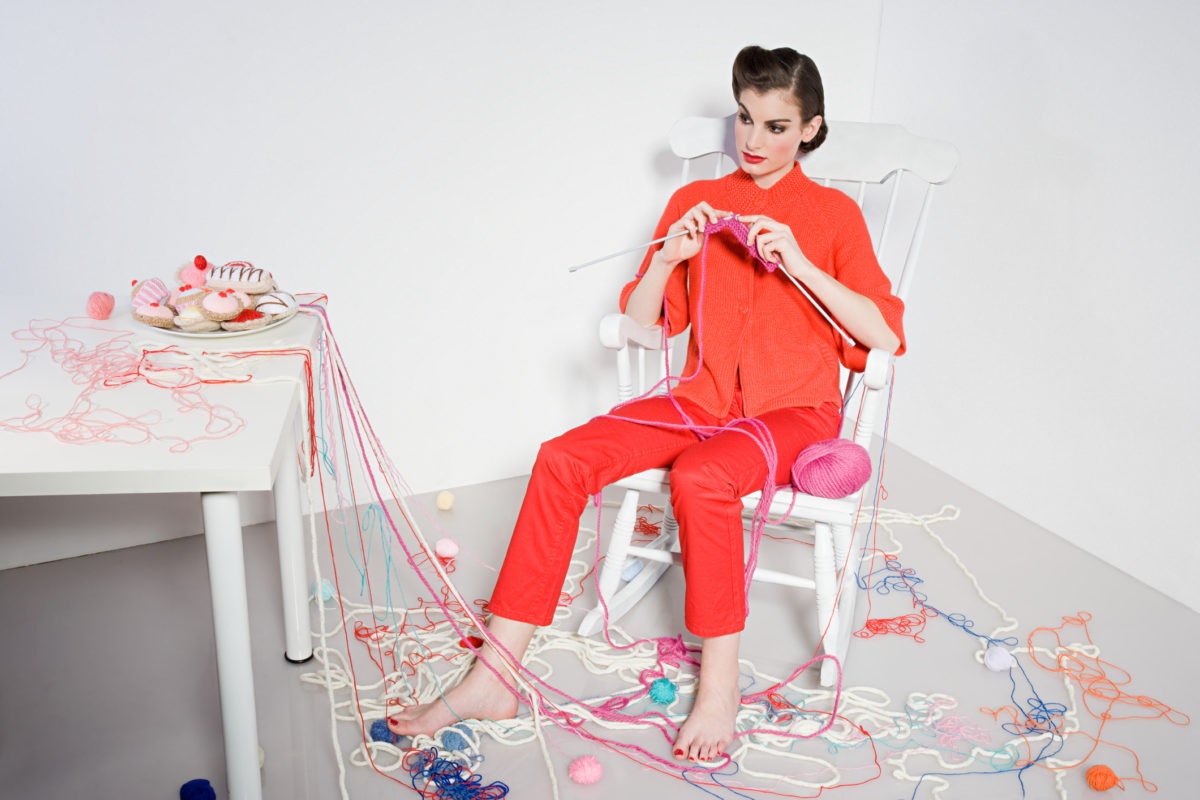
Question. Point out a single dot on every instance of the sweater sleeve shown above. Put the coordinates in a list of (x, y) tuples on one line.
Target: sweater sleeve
[(857, 268), (677, 314)]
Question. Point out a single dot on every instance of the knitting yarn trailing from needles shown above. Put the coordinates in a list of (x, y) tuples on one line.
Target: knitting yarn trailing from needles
[(832, 468)]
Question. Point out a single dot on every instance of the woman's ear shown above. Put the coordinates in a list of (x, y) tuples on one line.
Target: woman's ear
[(810, 128)]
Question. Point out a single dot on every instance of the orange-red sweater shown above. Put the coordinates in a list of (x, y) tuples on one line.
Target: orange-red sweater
[(754, 326)]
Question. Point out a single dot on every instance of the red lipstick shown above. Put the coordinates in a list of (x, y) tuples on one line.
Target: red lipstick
[(749, 159)]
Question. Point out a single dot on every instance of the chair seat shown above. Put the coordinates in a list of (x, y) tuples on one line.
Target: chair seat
[(803, 508)]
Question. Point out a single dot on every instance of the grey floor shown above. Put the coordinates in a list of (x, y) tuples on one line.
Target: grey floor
[(108, 683)]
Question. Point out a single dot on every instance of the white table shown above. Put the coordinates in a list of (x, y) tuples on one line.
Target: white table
[(260, 456)]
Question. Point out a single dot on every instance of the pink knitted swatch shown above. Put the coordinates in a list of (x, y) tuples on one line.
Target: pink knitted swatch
[(740, 231), (832, 468)]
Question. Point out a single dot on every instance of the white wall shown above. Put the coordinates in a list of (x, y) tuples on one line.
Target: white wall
[(433, 167), (436, 167), (1052, 325)]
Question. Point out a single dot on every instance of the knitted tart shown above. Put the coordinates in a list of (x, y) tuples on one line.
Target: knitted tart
[(159, 316)]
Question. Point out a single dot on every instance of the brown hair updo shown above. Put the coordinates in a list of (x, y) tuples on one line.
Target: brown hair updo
[(783, 68)]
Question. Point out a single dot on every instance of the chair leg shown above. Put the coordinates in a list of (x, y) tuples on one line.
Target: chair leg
[(615, 598), (825, 578), (670, 528), (848, 597)]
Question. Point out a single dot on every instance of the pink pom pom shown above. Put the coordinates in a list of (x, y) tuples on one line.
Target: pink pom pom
[(100, 305), (585, 769), (832, 468), (446, 548)]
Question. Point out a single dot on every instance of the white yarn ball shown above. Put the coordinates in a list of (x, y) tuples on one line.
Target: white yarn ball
[(997, 659)]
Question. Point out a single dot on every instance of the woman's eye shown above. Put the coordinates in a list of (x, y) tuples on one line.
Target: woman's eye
[(742, 118), (777, 129)]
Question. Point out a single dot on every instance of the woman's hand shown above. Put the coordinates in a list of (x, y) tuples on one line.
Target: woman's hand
[(681, 248), (776, 244)]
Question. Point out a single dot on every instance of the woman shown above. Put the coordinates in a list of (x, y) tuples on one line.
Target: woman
[(759, 351)]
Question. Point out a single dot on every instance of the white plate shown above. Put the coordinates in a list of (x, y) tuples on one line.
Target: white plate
[(221, 334)]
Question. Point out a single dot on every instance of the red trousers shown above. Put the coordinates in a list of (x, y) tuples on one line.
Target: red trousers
[(709, 476)]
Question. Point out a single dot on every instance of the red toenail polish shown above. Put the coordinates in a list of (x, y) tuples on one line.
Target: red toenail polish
[(678, 752)]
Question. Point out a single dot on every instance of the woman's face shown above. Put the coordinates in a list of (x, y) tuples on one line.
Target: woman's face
[(768, 133)]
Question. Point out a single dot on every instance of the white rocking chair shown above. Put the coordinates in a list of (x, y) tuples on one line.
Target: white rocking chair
[(892, 175)]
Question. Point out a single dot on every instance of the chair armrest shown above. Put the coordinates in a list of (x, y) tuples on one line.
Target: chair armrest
[(619, 330), (879, 365)]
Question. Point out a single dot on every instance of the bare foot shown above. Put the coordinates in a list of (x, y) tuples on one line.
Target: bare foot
[(710, 728), (481, 695)]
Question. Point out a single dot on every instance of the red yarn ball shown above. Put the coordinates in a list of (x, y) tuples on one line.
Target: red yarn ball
[(100, 305), (832, 468), (1101, 778)]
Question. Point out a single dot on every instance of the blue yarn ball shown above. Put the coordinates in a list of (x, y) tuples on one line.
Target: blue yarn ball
[(662, 691), (380, 732), (198, 789), (454, 741)]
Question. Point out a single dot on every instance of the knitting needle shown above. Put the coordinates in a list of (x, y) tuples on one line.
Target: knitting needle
[(627, 250)]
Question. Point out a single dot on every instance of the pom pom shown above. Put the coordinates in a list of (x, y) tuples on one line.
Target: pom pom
[(446, 548), (324, 590), (100, 305), (662, 691), (1101, 778), (585, 769), (832, 468), (997, 659), (200, 262), (198, 789), (445, 501)]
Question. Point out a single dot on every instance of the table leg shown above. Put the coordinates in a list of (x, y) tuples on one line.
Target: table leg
[(231, 621), (293, 569)]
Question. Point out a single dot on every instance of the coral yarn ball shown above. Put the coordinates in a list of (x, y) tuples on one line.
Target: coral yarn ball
[(1101, 778), (100, 305), (586, 769), (445, 501), (832, 468)]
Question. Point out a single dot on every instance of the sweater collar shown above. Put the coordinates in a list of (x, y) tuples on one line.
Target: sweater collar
[(754, 199)]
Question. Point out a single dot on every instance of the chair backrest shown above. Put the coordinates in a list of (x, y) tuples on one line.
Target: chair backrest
[(889, 172)]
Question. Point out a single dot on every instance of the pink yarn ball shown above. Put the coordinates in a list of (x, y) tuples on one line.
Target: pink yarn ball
[(100, 305), (585, 769), (446, 548), (832, 468)]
